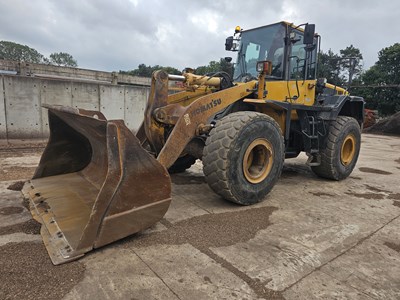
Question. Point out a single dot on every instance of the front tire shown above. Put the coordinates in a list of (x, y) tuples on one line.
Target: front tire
[(243, 157), (340, 155)]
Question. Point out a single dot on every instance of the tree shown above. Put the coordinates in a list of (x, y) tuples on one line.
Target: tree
[(171, 70), (146, 71), (382, 82), (329, 67), (340, 69), (63, 59), (214, 67), (14, 51), (143, 71), (351, 63)]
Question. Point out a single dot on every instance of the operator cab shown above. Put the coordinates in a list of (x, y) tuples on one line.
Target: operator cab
[(292, 51)]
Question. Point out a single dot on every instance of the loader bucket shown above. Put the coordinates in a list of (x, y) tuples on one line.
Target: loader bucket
[(94, 184)]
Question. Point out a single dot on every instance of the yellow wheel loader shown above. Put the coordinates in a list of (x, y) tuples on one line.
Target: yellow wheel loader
[(98, 182)]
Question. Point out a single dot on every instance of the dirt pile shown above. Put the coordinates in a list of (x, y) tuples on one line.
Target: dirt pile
[(390, 125), (370, 118)]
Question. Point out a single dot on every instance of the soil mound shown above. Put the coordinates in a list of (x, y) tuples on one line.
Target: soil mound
[(390, 125)]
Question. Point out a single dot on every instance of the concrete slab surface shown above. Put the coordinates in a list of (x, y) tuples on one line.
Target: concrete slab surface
[(310, 239)]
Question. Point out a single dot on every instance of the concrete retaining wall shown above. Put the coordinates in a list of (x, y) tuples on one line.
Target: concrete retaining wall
[(21, 97)]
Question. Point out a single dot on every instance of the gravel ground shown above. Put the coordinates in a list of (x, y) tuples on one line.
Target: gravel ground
[(311, 239), (28, 227), (25, 168), (27, 273)]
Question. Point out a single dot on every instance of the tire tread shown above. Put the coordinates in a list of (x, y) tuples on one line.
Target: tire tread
[(218, 144), (327, 167)]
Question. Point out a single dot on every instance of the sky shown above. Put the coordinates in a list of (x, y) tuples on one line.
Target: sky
[(118, 35)]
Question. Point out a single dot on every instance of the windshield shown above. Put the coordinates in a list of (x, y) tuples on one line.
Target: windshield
[(266, 43)]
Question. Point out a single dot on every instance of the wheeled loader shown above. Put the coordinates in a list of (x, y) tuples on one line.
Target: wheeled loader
[(98, 182)]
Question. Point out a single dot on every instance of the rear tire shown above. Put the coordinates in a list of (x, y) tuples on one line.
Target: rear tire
[(340, 156), (243, 157)]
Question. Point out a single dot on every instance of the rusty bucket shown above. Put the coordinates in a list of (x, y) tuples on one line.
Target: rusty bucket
[(94, 184)]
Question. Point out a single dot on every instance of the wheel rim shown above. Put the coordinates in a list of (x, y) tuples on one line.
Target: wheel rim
[(348, 150), (257, 160)]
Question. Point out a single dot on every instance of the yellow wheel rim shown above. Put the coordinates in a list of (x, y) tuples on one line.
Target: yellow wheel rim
[(258, 160), (348, 149)]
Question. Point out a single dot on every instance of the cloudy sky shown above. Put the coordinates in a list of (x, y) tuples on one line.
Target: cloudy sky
[(120, 34)]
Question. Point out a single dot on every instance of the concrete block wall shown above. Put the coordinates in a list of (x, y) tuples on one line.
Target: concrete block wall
[(21, 97)]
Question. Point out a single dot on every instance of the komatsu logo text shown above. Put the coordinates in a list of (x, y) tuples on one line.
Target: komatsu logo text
[(205, 107)]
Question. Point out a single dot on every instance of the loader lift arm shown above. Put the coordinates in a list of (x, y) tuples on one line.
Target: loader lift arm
[(189, 119)]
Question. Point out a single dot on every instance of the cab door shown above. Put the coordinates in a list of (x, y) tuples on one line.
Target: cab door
[(301, 70)]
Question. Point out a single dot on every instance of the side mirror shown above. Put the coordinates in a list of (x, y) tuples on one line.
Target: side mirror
[(229, 43), (309, 33)]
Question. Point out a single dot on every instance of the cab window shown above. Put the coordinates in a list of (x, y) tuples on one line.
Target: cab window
[(252, 54), (299, 66)]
